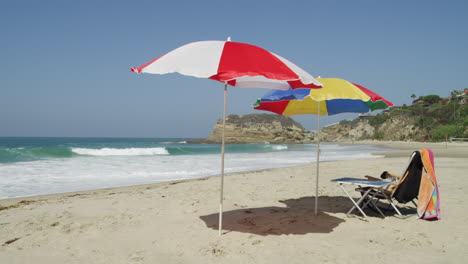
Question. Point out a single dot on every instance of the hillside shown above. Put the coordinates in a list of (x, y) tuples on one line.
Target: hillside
[(429, 118)]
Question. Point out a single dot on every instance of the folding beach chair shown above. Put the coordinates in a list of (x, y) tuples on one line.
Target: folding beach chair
[(367, 186), (417, 182)]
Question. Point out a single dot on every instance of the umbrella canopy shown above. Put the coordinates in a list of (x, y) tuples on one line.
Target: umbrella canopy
[(232, 63), (237, 64), (336, 96)]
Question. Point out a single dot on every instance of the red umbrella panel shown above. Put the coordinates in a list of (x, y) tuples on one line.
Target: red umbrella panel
[(234, 63)]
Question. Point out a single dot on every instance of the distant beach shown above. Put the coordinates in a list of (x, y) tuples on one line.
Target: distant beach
[(268, 218)]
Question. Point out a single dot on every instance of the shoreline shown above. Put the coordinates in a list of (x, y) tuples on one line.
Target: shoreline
[(399, 149), (59, 175), (404, 149)]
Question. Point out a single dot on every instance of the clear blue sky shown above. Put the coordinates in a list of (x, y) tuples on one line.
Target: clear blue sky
[(65, 64)]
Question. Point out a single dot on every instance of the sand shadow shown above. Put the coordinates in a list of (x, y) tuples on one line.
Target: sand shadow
[(406, 210), (297, 218), (341, 204)]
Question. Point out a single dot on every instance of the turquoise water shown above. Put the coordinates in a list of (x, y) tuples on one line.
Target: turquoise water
[(31, 149), (34, 166)]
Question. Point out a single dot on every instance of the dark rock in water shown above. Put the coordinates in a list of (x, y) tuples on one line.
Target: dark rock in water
[(259, 128)]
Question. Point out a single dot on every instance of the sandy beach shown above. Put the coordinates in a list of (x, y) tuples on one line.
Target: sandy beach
[(268, 218)]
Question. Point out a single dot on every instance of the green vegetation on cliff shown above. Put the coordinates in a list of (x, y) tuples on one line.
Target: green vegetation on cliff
[(436, 118)]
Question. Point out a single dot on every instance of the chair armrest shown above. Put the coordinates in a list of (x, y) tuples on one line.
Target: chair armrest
[(373, 178), (390, 176)]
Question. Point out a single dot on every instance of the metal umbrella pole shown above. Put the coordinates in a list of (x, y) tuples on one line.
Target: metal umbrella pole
[(221, 197), (318, 158)]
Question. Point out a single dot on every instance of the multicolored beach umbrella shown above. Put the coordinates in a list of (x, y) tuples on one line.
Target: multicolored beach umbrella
[(232, 63), (336, 96)]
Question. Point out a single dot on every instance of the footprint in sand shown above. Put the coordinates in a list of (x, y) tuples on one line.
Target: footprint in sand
[(256, 242), (136, 257), (213, 249), (11, 241)]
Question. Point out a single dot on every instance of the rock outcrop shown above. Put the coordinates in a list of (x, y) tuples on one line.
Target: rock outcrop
[(259, 128), (392, 129), (397, 128), (348, 131), (429, 118)]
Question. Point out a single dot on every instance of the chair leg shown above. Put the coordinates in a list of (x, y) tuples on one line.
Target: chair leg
[(394, 207), (392, 204), (356, 204), (375, 205)]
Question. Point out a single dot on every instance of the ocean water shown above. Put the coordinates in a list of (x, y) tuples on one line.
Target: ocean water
[(34, 166)]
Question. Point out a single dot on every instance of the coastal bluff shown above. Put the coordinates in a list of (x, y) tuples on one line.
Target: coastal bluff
[(259, 128), (429, 118)]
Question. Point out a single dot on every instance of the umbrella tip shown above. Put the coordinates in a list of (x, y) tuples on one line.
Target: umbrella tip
[(228, 39)]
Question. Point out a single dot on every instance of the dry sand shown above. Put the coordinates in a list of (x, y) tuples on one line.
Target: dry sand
[(269, 218)]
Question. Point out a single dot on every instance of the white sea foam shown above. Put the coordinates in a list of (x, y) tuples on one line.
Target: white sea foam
[(280, 147), (121, 152), (122, 167)]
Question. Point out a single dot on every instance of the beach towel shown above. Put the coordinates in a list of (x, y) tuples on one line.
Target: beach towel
[(428, 198)]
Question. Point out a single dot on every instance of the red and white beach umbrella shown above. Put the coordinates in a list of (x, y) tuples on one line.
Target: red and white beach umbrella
[(232, 63), (237, 64)]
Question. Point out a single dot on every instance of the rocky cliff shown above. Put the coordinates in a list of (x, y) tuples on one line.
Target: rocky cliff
[(429, 118), (256, 128), (347, 131), (393, 129)]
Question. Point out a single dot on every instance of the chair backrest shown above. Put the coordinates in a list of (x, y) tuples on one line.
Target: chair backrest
[(407, 188)]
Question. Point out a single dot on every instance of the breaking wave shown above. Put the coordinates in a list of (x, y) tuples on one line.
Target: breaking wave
[(121, 152)]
